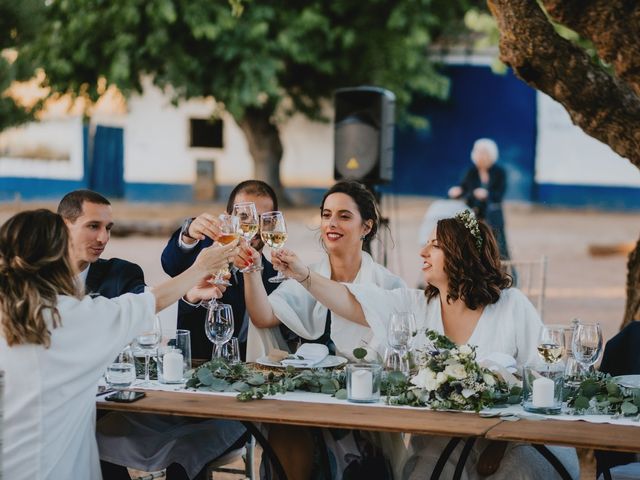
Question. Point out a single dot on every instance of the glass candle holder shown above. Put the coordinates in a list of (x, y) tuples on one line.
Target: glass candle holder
[(542, 387), (363, 382)]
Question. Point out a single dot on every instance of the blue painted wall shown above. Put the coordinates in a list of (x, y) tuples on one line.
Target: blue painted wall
[(481, 104)]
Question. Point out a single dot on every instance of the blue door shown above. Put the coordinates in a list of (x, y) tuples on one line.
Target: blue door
[(106, 172)]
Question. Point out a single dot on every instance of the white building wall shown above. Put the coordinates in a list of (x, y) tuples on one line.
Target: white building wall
[(565, 155)]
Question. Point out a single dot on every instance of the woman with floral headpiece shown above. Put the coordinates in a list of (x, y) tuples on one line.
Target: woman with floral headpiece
[(468, 298)]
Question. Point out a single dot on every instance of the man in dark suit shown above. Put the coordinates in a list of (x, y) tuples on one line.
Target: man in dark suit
[(199, 232), (89, 219)]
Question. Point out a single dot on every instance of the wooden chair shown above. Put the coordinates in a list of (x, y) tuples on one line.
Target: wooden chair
[(530, 277), (247, 453)]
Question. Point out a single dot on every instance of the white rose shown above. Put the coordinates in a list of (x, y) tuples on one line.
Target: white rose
[(426, 379), (441, 378), (456, 371), (465, 350), (467, 392), (489, 379)]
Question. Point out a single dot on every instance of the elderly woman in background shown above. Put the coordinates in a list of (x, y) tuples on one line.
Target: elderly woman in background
[(483, 187), (55, 344)]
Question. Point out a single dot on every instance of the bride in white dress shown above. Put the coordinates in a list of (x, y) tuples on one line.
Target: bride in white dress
[(469, 299)]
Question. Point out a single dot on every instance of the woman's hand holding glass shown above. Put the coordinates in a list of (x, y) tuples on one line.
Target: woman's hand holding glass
[(211, 260), (287, 262), (249, 227), (248, 257), (229, 233)]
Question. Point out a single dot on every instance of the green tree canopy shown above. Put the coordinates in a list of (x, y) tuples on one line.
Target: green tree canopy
[(275, 59)]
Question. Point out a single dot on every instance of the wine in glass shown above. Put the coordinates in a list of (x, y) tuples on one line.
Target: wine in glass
[(229, 226), (273, 231), (551, 344), (249, 226), (148, 341), (586, 344), (219, 327)]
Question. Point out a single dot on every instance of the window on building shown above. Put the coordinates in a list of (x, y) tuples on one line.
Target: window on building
[(205, 132)]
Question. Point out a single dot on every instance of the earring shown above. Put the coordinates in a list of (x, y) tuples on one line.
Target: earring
[(363, 237)]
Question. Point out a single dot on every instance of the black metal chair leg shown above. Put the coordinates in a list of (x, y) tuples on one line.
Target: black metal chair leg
[(444, 456), (553, 460), (266, 448), (466, 450)]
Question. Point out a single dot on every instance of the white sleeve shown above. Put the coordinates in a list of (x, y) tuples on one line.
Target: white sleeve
[(185, 247)]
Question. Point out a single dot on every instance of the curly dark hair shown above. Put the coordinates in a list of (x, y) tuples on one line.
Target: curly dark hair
[(475, 275), (365, 201)]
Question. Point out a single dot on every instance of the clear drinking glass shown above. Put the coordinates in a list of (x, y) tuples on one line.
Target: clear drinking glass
[(219, 327), (229, 226), (551, 344), (399, 333), (586, 344), (231, 351), (121, 373), (148, 342), (249, 226), (273, 231)]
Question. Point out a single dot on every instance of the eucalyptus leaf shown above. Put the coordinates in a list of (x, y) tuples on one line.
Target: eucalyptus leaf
[(205, 376), (241, 386), (628, 408), (256, 379), (581, 403), (341, 394), (219, 385), (613, 389)]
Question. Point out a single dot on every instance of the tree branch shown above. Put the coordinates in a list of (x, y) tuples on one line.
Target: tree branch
[(612, 25), (601, 105)]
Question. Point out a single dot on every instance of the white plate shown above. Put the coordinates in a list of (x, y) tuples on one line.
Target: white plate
[(629, 381), (330, 361)]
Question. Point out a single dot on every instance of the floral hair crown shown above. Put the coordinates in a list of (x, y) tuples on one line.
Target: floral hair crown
[(470, 222)]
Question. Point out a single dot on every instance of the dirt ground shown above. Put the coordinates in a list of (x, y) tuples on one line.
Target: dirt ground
[(579, 285)]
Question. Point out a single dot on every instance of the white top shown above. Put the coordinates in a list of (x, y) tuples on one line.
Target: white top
[(296, 308), (49, 398), (511, 325)]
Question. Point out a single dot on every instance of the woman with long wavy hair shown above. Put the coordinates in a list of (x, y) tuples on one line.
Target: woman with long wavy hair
[(55, 344), (468, 298)]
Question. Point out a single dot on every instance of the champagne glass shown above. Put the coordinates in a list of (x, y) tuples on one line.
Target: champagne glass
[(273, 231), (586, 344), (121, 373), (148, 341), (229, 226), (399, 335), (249, 226), (219, 327), (551, 344)]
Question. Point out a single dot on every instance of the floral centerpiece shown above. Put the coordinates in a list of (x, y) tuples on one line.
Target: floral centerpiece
[(449, 377)]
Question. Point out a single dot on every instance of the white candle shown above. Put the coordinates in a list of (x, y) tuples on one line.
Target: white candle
[(543, 392), (361, 385), (172, 366)]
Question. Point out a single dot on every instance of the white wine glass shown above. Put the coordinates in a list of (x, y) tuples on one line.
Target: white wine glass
[(249, 226), (273, 231), (219, 327), (399, 336), (586, 344), (229, 226), (551, 343), (148, 342)]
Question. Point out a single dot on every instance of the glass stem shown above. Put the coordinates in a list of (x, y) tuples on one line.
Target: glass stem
[(146, 367)]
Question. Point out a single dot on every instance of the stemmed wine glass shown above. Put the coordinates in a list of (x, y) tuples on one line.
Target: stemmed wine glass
[(249, 226), (273, 231), (551, 344), (229, 226), (148, 342), (399, 335), (219, 327), (586, 344)]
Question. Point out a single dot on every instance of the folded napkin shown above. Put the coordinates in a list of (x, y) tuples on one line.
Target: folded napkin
[(501, 364), (308, 355)]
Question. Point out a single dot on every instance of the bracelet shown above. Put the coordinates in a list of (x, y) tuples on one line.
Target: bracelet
[(307, 277)]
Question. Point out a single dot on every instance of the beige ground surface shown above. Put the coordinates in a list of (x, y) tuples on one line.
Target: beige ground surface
[(578, 284)]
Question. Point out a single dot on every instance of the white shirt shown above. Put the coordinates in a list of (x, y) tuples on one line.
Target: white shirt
[(296, 308), (510, 326), (49, 398)]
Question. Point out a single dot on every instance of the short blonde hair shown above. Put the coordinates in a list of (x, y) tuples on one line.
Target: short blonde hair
[(489, 145)]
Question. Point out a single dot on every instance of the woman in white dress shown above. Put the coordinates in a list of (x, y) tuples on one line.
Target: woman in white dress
[(349, 220), (55, 344), (468, 299)]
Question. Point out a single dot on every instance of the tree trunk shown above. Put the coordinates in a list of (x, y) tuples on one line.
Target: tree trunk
[(603, 106), (632, 308), (265, 147)]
